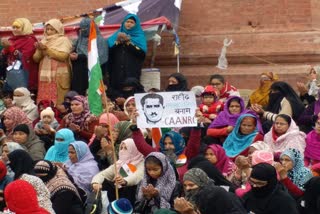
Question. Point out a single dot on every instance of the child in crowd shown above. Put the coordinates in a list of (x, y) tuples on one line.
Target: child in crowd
[(210, 105)]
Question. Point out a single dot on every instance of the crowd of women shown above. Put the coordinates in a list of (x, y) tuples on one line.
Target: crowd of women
[(259, 157)]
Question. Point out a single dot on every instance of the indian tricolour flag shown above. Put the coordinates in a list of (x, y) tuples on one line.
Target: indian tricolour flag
[(96, 86)]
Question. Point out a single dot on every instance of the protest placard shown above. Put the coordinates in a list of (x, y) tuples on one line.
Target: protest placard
[(166, 109)]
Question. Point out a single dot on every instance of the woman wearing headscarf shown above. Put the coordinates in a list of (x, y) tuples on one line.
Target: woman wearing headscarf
[(292, 161), (226, 120), (128, 48), (7, 148), (157, 186), (282, 100), (81, 165), (12, 117), (261, 95), (130, 170), (266, 195), (30, 142), (22, 99), (312, 196), (312, 151), (54, 69), (245, 132), (21, 198), (226, 90), (59, 151), (22, 165), (80, 120), (79, 57), (285, 134), (63, 194), (177, 82), (22, 46)]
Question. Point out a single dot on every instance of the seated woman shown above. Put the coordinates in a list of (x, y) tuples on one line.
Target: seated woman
[(81, 165), (282, 100), (157, 187), (226, 120), (130, 167), (22, 165), (285, 134), (291, 159), (312, 151), (25, 136), (177, 82), (226, 90), (12, 117), (242, 136), (64, 195), (217, 156), (7, 148), (22, 99), (266, 195), (17, 194), (58, 153), (80, 120)]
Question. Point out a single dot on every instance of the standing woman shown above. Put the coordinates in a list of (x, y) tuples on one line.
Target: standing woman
[(128, 48), (80, 120), (79, 57), (21, 46), (54, 70)]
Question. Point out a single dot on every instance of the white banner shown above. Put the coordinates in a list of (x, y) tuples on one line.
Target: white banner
[(166, 109)]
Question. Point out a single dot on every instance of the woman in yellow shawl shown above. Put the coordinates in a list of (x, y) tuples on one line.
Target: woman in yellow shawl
[(53, 54), (261, 95)]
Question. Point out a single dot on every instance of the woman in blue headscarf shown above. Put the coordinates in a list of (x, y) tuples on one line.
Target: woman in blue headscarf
[(128, 48), (79, 57), (59, 151)]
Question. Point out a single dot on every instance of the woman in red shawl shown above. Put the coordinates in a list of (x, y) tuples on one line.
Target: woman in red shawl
[(22, 45)]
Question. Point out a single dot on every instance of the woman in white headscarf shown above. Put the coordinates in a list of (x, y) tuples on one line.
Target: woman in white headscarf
[(22, 99)]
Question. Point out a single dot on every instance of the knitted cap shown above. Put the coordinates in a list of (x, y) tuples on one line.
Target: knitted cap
[(48, 111), (120, 206), (22, 128)]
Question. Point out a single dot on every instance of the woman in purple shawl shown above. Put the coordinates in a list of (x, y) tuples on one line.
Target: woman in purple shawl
[(81, 165), (226, 120)]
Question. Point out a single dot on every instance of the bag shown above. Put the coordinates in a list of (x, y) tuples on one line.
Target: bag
[(16, 76), (93, 203)]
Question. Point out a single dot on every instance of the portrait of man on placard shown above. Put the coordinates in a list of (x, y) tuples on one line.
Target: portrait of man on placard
[(153, 107)]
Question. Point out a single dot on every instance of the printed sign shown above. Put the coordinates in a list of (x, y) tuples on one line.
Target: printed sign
[(166, 109)]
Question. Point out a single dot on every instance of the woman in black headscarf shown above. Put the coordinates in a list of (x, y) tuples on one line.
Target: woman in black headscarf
[(177, 82), (266, 195), (312, 196), (282, 100)]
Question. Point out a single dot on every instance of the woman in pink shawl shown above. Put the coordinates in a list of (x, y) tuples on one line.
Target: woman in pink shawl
[(11, 118), (130, 171), (217, 156), (312, 151)]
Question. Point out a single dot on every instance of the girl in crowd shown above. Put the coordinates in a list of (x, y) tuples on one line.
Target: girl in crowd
[(25, 136), (22, 165), (128, 48), (225, 89), (266, 195), (291, 160), (217, 156), (79, 58), (226, 120), (59, 151), (156, 188), (22, 99), (81, 165), (80, 120), (245, 132), (21, 46), (261, 95), (177, 82), (54, 70), (64, 195), (285, 134), (130, 167)]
